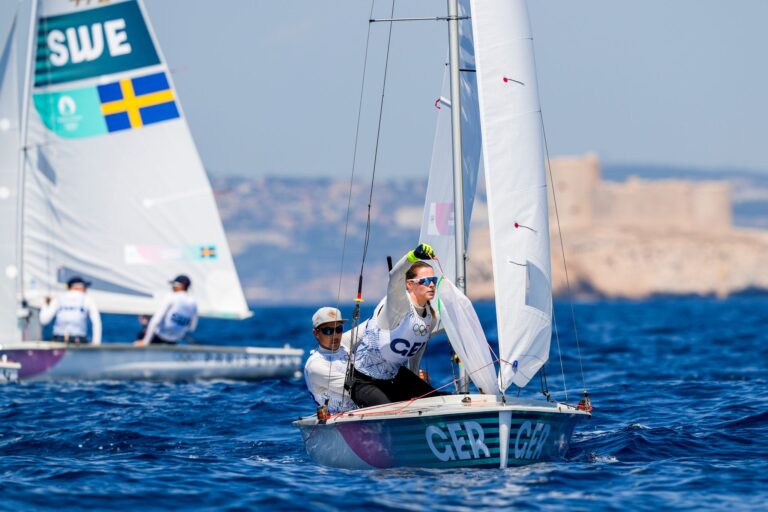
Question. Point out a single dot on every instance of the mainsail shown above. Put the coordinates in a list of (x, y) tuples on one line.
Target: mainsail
[(9, 155), (516, 185), (437, 225), (438, 228), (115, 190)]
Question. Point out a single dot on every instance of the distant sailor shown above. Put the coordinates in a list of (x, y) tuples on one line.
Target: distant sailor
[(399, 330), (326, 367), (175, 317), (72, 310)]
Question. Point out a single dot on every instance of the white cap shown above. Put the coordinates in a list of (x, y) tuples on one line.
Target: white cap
[(326, 315)]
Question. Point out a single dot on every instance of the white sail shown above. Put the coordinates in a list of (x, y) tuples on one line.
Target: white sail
[(115, 190), (516, 185), (437, 225), (9, 155), (467, 337)]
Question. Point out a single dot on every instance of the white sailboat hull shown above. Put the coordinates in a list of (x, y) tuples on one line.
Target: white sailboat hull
[(443, 432), (121, 361)]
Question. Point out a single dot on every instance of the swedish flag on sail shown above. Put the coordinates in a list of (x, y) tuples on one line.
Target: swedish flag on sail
[(135, 102)]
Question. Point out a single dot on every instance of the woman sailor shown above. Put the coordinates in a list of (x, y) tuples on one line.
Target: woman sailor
[(398, 331)]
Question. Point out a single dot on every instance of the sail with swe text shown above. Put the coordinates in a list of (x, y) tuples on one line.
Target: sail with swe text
[(114, 188)]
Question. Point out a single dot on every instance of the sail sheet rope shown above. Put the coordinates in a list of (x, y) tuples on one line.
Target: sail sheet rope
[(567, 279)]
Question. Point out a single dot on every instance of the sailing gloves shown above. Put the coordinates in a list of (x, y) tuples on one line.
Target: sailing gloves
[(422, 252)]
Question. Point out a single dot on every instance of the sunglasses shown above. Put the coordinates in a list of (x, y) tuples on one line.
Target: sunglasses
[(330, 330), (425, 281)]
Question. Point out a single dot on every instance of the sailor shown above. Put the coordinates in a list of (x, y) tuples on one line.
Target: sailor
[(326, 367), (398, 332), (72, 311), (175, 317)]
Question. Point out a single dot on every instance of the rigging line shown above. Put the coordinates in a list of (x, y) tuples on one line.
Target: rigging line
[(559, 350), (408, 402), (376, 150), (562, 250), (354, 155), (356, 314)]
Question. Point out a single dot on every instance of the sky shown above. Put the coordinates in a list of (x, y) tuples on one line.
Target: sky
[(272, 88)]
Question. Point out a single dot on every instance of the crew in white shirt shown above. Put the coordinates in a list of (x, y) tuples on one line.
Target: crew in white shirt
[(326, 367), (175, 317), (398, 333), (72, 310)]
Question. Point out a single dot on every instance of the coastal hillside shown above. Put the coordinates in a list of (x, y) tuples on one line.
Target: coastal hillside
[(627, 232)]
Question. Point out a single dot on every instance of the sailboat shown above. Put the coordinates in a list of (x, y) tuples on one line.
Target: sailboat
[(494, 115), (100, 178)]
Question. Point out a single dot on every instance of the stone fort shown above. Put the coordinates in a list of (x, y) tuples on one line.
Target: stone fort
[(637, 238), (584, 200)]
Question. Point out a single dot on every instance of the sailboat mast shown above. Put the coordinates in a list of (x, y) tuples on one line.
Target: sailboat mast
[(458, 183), (458, 175), (23, 155)]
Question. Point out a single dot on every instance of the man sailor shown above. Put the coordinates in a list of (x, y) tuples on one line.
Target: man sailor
[(326, 367), (176, 316), (72, 311)]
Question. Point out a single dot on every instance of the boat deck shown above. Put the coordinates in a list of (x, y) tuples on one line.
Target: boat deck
[(449, 404)]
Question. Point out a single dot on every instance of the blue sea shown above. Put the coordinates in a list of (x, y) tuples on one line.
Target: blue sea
[(680, 422)]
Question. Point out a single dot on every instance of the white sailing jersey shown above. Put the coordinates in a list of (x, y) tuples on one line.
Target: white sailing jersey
[(397, 332), (175, 317), (72, 311), (324, 374), (382, 352)]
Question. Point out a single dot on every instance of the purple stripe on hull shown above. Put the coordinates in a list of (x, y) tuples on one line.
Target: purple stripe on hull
[(34, 361), (370, 441)]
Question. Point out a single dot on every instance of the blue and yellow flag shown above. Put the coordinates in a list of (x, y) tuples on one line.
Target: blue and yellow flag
[(135, 102), (207, 252), (126, 104)]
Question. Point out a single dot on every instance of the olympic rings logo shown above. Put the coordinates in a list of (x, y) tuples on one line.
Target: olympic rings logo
[(420, 329)]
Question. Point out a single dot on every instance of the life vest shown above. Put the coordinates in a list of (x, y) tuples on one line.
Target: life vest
[(324, 374), (381, 352), (178, 317), (72, 315)]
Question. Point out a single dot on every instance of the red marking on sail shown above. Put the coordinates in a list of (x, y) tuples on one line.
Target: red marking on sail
[(517, 226), (507, 80)]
